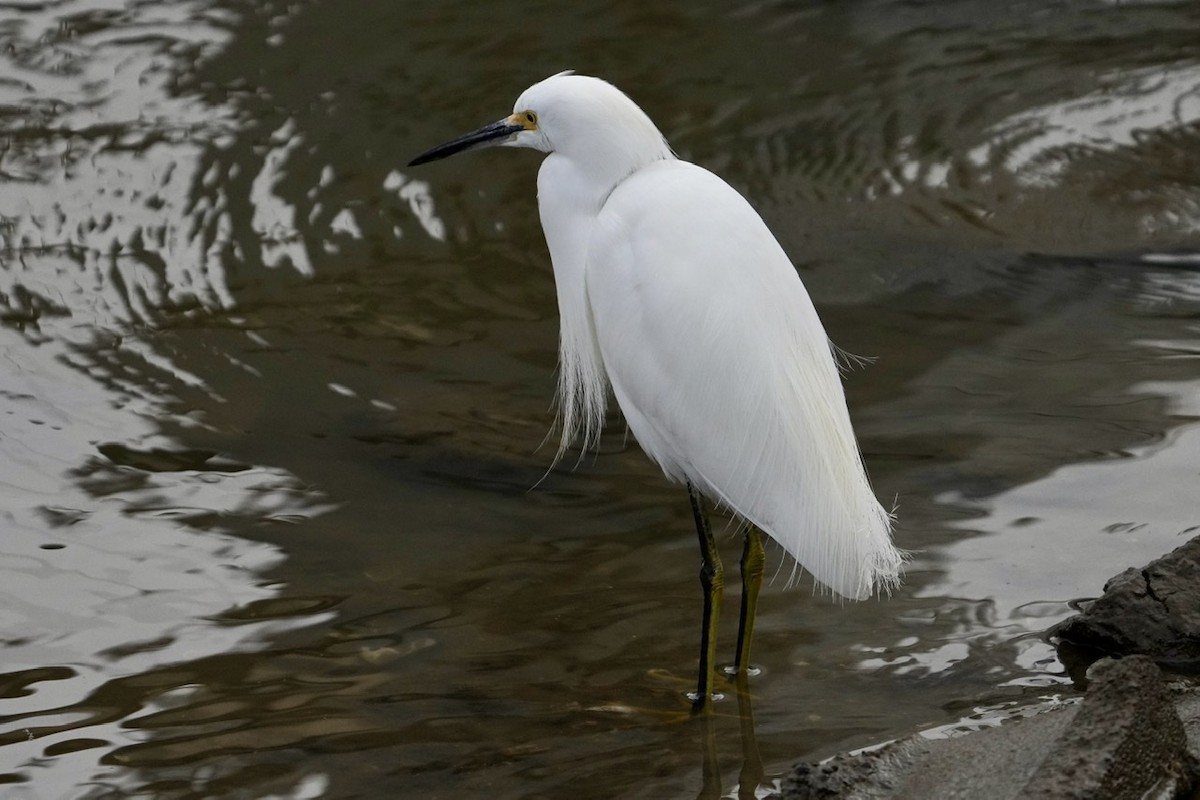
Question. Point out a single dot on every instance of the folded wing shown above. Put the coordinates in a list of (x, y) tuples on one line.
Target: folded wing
[(725, 374)]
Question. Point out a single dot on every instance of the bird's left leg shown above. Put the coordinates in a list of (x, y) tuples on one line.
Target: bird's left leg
[(753, 560), (712, 579)]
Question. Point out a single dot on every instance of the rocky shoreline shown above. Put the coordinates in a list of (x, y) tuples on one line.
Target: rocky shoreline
[(1134, 735)]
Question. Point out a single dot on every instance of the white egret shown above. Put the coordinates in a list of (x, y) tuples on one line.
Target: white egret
[(673, 292)]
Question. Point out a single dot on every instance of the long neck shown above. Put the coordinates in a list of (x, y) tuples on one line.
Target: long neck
[(569, 204), (607, 139)]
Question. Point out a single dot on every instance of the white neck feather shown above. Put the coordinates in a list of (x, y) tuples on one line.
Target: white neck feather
[(596, 138), (567, 219)]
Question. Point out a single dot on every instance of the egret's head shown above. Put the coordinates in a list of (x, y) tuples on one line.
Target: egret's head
[(579, 116)]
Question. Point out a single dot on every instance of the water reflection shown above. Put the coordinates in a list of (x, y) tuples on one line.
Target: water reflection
[(750, 776), (103, 573), (269, 403), (1121, 510), (118, 551), (103, 158)]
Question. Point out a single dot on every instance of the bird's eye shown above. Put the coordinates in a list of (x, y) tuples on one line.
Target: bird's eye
[(531, 117)]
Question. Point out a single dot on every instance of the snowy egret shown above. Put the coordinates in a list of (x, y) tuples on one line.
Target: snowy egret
[(673, 292)]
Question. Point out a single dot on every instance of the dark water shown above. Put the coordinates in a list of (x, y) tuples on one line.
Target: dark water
[(270, 403)]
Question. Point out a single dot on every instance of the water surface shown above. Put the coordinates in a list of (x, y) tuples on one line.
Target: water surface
[(276, 520)]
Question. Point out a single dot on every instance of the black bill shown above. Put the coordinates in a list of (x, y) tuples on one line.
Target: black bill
[(486, 136)]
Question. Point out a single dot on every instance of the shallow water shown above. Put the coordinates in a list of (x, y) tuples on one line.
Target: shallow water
[(274, 515)]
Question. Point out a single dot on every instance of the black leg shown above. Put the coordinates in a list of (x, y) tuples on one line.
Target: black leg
[(712, 579), (753, 560)]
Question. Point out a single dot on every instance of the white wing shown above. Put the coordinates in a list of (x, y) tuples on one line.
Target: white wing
[(725, 374)]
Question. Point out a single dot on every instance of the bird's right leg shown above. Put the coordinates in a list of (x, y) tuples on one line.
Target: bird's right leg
[(712, 579)]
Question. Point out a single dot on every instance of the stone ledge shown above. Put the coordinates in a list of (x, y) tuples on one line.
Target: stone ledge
[(1129, 738)]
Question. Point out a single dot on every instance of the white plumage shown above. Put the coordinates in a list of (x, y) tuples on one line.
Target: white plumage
[(672, 291), (671, 286)]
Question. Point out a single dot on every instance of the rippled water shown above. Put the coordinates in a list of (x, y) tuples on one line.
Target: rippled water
[(271, 403)]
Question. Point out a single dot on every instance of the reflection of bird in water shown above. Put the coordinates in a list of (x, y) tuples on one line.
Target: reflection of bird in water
[(672, 291)]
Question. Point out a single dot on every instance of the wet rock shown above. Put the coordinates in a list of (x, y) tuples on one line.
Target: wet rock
[(1124, 741), (1127, 741), (992, 763), (1154, 611), (860, 776)]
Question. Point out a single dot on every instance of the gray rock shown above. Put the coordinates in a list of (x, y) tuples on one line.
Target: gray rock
[(1154, 611), (991, 763), (1124, 741), (1127, 740)]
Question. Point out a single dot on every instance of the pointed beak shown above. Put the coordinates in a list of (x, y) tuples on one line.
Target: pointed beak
[(489, 135)]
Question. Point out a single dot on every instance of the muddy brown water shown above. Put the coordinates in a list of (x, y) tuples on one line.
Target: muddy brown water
[(274, 520)]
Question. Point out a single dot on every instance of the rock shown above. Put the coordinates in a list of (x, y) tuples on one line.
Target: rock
[(1154, 611), (992, 763), (1124, 741), (1127, 741)]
